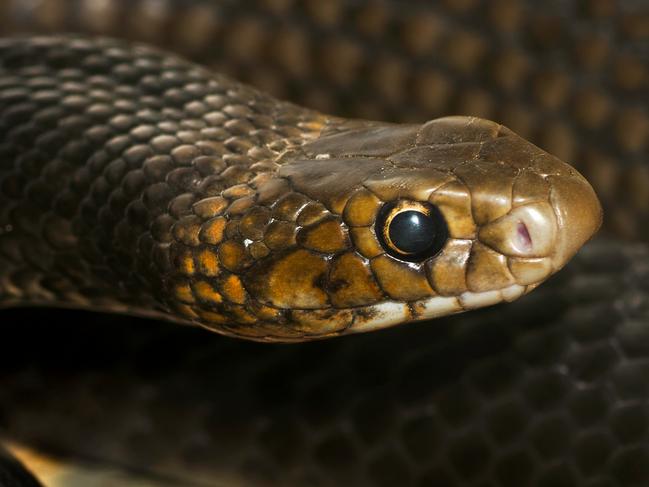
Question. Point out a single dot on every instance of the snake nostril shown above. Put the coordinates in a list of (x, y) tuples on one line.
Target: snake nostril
[(526, 231), (524, 237)]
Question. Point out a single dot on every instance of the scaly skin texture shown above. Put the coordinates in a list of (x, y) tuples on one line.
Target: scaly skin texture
[(114, 161), (134, 181)]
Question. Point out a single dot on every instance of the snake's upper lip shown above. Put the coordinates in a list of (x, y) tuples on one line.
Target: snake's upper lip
[(578, 212)]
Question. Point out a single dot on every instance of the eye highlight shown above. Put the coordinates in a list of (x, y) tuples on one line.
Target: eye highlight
[(410, 230)]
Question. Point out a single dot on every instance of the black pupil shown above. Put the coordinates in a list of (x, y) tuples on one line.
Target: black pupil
[(412, 235), (412, 232)]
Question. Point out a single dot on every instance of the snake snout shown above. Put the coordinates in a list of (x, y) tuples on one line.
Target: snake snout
[(544, 229), (540, 234), (578, 213)]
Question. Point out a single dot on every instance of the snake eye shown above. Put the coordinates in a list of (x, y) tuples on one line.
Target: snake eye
[(410, 230)]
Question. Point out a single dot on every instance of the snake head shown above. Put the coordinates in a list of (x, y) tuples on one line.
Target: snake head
[(424, 221), (371, 225)]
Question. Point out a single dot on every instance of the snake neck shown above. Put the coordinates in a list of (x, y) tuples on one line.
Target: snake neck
[(112, 162)]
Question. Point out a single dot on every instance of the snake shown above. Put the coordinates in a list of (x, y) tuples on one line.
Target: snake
[(141, 183)]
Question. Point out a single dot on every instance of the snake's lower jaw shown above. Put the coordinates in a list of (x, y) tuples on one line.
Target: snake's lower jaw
[(579, 216)]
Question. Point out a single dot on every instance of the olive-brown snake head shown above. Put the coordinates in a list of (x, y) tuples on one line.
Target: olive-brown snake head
[(134, 181), (419, 221)]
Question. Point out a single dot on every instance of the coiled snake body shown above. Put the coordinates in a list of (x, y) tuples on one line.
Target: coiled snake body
[(140, 183)]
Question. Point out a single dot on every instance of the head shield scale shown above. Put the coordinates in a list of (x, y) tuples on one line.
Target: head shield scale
[(504, 215)]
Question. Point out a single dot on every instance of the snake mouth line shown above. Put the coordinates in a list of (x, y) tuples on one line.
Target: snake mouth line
[(389, 313)]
